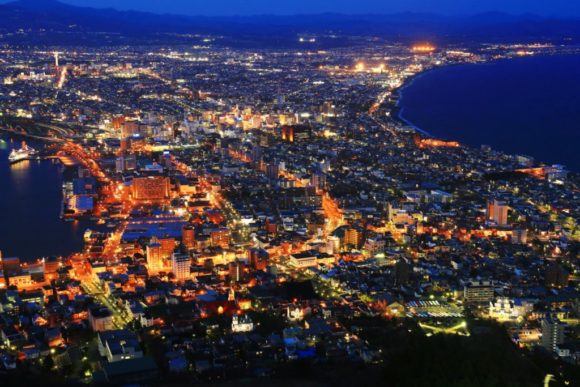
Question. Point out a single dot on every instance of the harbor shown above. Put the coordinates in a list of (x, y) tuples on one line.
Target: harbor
[(25, 152), (31, 188)]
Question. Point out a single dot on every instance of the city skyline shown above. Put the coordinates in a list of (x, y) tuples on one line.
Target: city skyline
[(321, 199)]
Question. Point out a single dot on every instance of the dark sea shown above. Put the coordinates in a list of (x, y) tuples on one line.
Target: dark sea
[(528, 106), (30, 204)]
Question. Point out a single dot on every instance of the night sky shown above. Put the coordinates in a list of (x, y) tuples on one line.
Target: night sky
[(253, 7)]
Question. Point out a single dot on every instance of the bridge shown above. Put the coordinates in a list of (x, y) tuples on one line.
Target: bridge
[(67, 161), (28, 135)]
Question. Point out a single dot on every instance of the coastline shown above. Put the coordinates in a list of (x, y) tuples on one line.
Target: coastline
[(398, 112), (401, 118), (35, 191)]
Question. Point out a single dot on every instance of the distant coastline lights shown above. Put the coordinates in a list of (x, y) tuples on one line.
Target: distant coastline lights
[(423, 48)]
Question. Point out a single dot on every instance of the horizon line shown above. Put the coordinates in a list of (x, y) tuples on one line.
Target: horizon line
[(456, 15)]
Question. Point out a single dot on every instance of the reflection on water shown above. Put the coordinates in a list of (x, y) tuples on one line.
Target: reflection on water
[(30, 204), (23, 165)]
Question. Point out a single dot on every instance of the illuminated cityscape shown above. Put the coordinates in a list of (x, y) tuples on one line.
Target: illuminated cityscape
[(249, 212)]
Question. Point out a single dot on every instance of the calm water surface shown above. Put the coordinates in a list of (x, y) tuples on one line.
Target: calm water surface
[(525, 106), (30, 203)]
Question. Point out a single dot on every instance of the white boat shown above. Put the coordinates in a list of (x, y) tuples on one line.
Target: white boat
[(24, 153)]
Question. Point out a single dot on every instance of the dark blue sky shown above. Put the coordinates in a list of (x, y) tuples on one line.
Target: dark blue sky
[(252, 7)]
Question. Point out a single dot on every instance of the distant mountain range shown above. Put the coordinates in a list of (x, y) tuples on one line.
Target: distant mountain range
[(53, 22)]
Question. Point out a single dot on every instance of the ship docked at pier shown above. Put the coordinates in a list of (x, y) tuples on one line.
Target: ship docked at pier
[(24, 153)]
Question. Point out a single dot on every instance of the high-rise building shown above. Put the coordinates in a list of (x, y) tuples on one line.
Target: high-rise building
[(51, 266), (188, 236), (220, 237), (167, 247), (318, 180), (332, 245), (154, 257), (118, 122), (497, 211), (236, 271), (374, 245), (288, 133), (328, 109), (552, 332), (352, 237), (519, 236), (273, 171), (478, 292), (181, 266), (296, 133), (133, 127), (125, 163), (100, 318), (120, 164), (257, 153)]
